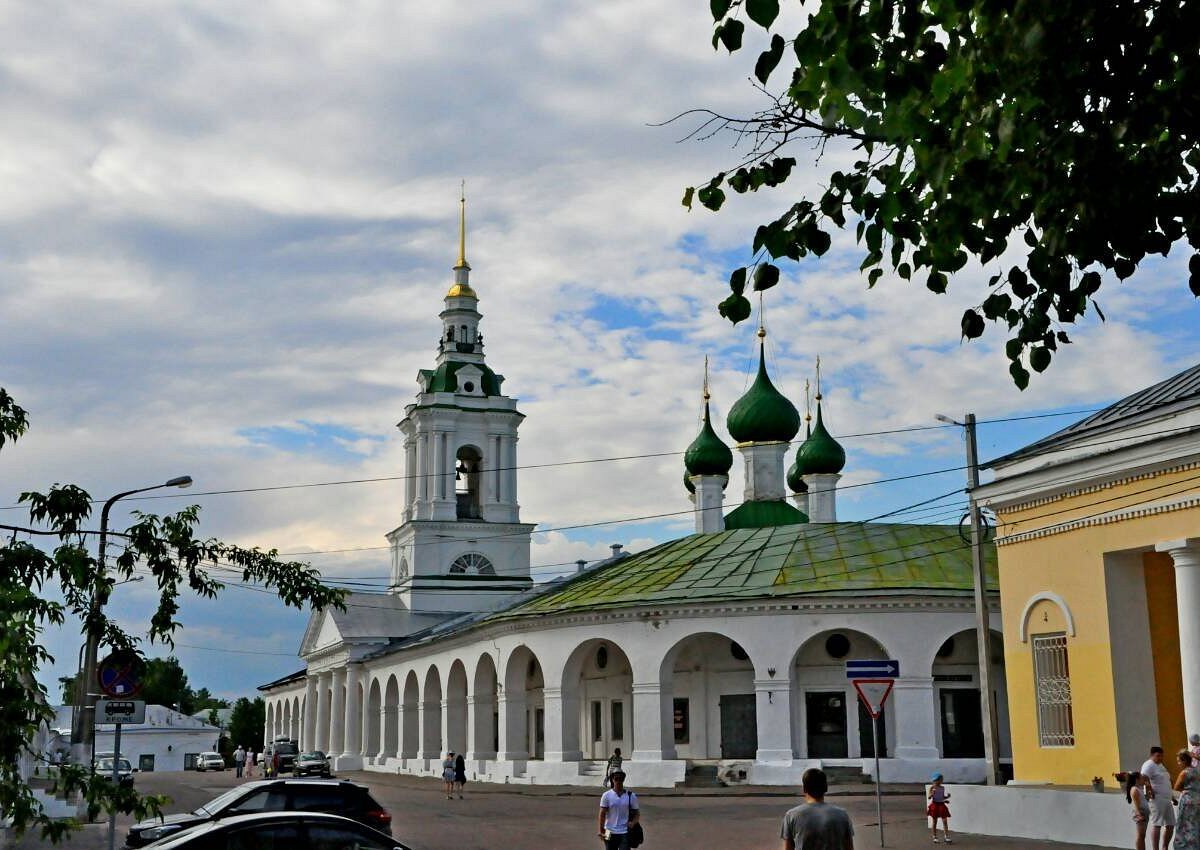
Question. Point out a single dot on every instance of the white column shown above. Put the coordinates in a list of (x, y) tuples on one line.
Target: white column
[(323, 710), (387, 714), (479, 727), (773, 712), (410, 480), (709, 500), (512, 728), (337, 712), (352, 716), (429, 730), (913, 712), (559, 709), (309, 735), (653, 739), (1186, 555)]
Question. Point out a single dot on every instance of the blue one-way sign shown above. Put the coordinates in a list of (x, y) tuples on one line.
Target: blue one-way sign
[(872, 668)]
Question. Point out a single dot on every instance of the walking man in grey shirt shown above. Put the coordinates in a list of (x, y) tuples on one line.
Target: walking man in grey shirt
[(816, 825)]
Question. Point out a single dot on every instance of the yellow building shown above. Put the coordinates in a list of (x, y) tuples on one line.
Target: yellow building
[(1099, 551)]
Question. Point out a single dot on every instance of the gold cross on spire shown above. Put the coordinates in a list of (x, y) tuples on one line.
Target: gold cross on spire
[(462, 229), (706, 395), (818, 377)]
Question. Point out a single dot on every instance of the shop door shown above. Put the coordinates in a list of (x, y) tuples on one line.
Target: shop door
[(739, 726), (826, 726), (962, 723)]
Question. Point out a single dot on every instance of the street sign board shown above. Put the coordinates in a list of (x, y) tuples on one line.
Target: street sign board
[(120, 674), (874, 693), (120, 711), (872, 668)]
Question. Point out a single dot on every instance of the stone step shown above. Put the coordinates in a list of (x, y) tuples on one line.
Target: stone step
[(846, 775), (701, 776)]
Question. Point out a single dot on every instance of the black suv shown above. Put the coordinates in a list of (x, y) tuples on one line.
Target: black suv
[(287, 755), (336, 796)]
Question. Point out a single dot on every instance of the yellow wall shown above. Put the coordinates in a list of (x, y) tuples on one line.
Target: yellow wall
[(1071, 565)]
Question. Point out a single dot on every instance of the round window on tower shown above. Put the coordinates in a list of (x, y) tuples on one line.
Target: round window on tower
[(838, 645), (469, 386), (472, 563)]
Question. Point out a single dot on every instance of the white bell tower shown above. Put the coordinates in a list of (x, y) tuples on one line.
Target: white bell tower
[(461, 545)]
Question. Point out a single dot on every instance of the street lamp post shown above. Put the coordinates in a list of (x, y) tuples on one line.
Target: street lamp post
[(983, 631), (83, 735)]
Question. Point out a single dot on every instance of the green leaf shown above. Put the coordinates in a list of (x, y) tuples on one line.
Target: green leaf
[(1019, 375), (937, 282), (972, 325), (1039, 358), (763, 12), (819, 242), (711, 197), (719, 8), (769, 59), (730, 34), (688, 194), (737, 281), (765, 276), (735, 308)]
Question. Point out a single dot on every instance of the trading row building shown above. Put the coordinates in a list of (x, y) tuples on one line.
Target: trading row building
[(721, 653)]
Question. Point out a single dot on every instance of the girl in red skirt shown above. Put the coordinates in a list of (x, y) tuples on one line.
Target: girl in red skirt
[(938, 809)]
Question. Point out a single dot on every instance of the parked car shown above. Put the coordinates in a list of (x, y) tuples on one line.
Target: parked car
[(104, 767), (334, 796), (308, 764), (210, 761), (287, 754), (282, 829)]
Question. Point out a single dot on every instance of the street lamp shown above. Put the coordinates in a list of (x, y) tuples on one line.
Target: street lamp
[(83, 735), (983, 631)]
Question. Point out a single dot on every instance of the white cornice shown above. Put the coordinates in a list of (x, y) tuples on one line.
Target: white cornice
[(1120, 515)]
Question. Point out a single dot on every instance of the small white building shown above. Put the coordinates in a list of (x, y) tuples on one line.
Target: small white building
[(168, 740), (722, 652)]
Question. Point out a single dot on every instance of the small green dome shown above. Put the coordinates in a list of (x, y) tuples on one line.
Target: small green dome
[(707, 455), (763, 414), (795, 477), (687, 482), (821, 454)]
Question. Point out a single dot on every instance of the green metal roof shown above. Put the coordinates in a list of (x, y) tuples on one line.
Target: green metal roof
[(764, 515), (442, 380), (845, 558)]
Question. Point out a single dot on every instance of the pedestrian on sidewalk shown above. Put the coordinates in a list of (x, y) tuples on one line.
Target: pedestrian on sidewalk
[(448, 775), (1135, 795), (816, 825), (460, 773), (614, 764), (1162, 811), (1194, 747), (239, 760), (937, 808), (275, 760), (250, 758), (619, 814), (1187, 829)]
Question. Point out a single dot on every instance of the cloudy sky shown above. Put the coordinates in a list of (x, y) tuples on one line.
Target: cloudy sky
[(227, 229)]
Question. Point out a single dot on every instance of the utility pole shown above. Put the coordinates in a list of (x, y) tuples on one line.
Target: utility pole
[(983, 631)]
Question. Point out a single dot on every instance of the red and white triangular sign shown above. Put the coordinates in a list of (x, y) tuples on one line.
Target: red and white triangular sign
[(873, 693)]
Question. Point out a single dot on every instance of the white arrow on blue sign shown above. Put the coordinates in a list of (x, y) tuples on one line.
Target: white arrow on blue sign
[(872, 668)]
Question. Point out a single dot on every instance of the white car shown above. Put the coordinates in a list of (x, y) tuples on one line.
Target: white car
[(210, 761)]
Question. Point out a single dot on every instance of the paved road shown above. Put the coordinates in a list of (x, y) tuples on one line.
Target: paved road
[(558, 818)]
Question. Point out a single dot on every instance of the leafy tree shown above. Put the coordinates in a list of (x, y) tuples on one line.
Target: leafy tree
[(1065, 130), (247, 723), (165, 683), (164, 547), (203, 699), (70, 687)]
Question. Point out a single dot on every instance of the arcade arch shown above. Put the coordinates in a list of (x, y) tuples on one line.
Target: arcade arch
[(828, 720), (524, 716), (708, 692), (431, 715), (485, 716), (410, 722), (597, 694), (456, 708)]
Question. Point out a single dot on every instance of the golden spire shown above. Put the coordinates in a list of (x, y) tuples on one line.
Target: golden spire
[(807, 401), (706, 395), (818, 377), (462, 229)]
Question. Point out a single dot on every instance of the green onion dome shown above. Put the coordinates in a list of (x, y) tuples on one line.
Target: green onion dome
[(763, 414), (707, 455), (795, 473), (821, 454), (687, 482)]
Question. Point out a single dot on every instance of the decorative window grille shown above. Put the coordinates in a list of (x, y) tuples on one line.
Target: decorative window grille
[(1052, 678), (473, 562)]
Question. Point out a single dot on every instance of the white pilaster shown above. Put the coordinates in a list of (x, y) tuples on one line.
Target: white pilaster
[(773, 713), (512, 728), (480, 710), (387, 715), (353, 714), (323, 710), (764, 471), (1186, 555), (914, 715), (337, 731), (560, 708), (822, 497), (709, 501), (309, 734), (653, 739)]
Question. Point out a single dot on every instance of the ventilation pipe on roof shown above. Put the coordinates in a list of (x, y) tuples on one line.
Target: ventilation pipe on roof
[(616, 549), (580, 565)]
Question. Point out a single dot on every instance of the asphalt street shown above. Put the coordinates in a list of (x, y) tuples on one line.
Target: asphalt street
[(564, 818)]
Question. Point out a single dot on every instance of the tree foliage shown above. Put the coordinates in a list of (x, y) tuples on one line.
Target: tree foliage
[(1065, 132), (40, 588), (247, 723), (165, 683)]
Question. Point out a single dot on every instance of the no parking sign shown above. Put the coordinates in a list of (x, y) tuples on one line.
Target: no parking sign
[(120, 674)]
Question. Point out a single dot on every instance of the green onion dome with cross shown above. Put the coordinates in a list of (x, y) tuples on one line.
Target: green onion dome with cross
[(821, 454), (763, 414)]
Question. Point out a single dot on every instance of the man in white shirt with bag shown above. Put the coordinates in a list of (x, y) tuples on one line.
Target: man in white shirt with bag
[(618, 814)]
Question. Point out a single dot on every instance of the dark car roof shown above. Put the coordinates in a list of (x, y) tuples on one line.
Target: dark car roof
[(269, 817)]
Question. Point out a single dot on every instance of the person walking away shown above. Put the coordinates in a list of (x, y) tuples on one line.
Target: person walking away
[(448, 775), (618, 813), (1162, 812), (937, 808), (275, 763), (614, 764), (1187, 829), (816, 825), (460, 773), (239, 761), (1135, 795)]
